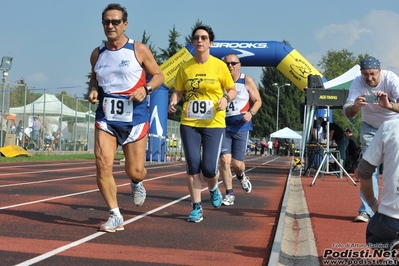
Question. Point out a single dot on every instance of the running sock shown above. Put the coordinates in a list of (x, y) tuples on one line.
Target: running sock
[(229, 191), (135, 184), (115, 211), (196, 205), (240, 177)]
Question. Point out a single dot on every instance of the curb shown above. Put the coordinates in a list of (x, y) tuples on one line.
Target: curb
[(294, 242)]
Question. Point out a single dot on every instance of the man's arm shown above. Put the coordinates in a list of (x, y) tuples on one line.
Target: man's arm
[(365, 171), (351, 109), (355, 100), (254, 95), (93, 86), (254, 98), (150, 65)]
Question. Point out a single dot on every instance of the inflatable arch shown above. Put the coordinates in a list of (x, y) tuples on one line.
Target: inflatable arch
[(251, 53)]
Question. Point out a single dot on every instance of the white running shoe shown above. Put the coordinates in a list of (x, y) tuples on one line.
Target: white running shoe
[(228, 200), (114, 223), (246, 184), (138, 193)]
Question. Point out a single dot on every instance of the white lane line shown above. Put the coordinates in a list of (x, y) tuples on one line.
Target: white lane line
[(98, 234), (36, 165), (271, 160), (37, 172), (66, 178), (45, 171), (79, 193), (48, 180)]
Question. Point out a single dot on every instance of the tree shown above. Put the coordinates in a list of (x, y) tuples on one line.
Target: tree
[(196, 24), (173, 46), (335, 63), (17, 93), (146, 40), (290, 99)]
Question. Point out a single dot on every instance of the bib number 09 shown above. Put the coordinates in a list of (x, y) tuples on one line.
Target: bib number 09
[(200, 109)]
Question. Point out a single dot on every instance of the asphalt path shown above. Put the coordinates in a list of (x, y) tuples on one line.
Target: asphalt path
[(50, 213)]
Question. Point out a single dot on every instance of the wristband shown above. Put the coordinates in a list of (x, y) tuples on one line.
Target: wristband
[(373, 203), (227, 97)]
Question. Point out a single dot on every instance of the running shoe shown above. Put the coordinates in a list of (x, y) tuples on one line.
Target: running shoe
[(138, 193), (195, 215), (114, 223), (362, 217), (246, 184), (216, 197), (228, 200)]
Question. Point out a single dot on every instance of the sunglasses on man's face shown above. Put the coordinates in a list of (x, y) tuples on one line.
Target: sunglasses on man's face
[(232, 63), (114, 22), (203, 37)]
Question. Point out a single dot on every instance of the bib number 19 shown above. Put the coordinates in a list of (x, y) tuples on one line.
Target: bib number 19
[(118, 109)]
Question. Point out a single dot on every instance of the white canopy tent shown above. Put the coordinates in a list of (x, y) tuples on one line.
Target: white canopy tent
[(285, 133), (288, 133), (49, 105), (49, 109)]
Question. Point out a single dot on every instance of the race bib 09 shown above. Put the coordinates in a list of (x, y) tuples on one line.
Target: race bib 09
[(200, 109)]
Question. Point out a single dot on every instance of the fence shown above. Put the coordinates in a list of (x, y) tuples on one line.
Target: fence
[(70, 121), (72, 129)]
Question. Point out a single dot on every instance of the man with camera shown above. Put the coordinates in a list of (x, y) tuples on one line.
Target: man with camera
[(375, 92)]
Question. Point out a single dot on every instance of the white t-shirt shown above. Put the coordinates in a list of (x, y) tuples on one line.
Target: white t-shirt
[(375, 115), (270, 144), (385, 149)]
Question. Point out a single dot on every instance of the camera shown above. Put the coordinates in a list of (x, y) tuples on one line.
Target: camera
[(372, 99)]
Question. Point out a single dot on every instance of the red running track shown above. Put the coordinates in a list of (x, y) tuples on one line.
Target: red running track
[(50, 213), (333, 204)]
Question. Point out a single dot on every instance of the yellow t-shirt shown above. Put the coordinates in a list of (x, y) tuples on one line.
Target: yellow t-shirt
[(203, 85)]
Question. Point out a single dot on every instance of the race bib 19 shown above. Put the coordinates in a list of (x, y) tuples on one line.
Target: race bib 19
[(117, 109), (200, 109)]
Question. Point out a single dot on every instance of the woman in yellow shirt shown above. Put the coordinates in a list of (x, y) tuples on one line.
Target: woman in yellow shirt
[(208, 87)]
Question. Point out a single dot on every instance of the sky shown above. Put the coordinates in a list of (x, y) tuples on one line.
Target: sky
[(51, 41)]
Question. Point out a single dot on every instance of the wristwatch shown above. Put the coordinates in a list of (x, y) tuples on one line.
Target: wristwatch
[(252, 112), (148, 89)]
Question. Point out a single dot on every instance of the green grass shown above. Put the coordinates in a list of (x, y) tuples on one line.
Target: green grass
[(54, 157)]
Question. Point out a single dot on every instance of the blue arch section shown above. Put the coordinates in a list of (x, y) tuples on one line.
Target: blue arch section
[(251, 53), (267, 53)]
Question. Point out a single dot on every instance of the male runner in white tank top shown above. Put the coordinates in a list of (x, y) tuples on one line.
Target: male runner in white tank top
[(119, 85)]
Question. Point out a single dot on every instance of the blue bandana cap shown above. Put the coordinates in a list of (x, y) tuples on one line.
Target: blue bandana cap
[(369, 63)]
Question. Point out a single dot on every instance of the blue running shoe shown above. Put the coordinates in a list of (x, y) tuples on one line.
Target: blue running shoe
[(216, 197), (195, 215)]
